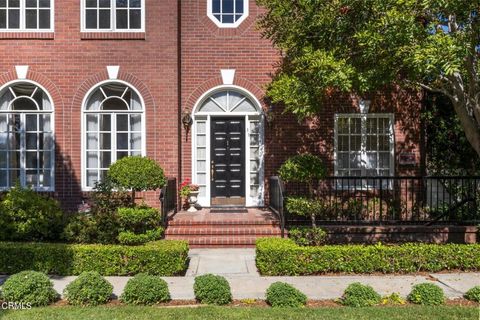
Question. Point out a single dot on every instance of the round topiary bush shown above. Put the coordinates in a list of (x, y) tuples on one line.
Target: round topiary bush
[(30, 287), (212, 289), (281, 294), (89, 289), (145, 289), (360, 295), (473, 294), (137, 174), (427, 294)]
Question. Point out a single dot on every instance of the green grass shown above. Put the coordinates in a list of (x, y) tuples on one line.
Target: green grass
[(222, 313)]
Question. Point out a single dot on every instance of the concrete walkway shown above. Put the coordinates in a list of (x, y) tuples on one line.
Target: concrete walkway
[(238, 266)]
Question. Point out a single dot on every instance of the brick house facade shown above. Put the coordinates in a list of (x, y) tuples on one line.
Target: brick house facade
[(182, 61)]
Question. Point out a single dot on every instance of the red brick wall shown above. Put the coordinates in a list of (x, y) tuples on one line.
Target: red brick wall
[(70, 63), (206, 49)]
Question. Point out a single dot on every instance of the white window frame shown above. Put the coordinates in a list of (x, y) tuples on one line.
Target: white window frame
[(364, 118), (113, 19), (23, 114), (246, 4), (249, 117), (23, 28), (113, 149)]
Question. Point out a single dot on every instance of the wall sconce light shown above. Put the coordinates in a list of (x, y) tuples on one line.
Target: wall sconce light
[(269, 116), (364, 106), (187, 121)]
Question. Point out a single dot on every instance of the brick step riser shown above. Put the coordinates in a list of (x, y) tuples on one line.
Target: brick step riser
[(226, 232), (222, 224), (218, 240)]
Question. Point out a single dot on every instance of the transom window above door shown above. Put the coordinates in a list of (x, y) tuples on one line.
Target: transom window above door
[(113, 15), (227, 101), (113, 129), (227, 13), (26, 15)]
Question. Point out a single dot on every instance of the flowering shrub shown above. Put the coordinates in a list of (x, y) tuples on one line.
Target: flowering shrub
[(186, 187)]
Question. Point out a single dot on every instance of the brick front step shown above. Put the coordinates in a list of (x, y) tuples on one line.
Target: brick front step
[(209, 241), (226, 222), (222, 230)]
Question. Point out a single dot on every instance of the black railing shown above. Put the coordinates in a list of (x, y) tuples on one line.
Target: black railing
[(276, 200), (168, 200), (386, 200)]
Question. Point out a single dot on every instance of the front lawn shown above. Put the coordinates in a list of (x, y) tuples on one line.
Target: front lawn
[(140, 313)]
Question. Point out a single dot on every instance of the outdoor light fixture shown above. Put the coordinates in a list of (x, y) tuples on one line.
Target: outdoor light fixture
[(269, 115), (187, 121), (364, 105)]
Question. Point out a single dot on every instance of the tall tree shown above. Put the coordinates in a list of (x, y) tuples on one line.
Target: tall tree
[(361, 46)]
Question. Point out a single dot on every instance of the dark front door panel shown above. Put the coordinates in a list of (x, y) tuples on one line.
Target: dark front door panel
[(228, 161)]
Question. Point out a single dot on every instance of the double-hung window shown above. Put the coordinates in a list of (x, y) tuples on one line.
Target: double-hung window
[(364, 145), (26, 15), (113, 15)]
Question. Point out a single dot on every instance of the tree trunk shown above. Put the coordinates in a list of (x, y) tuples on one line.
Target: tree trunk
[(133, 198), (470, 125), (314, 222)]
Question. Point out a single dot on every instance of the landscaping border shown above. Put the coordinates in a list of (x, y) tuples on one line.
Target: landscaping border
[(282, 257), (163, 258)]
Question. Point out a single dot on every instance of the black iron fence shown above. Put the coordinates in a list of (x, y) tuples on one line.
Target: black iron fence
[(168, 200), (385, 200)]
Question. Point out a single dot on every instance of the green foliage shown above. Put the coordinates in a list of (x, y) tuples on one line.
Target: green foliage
[(101, 224), (139, 225), (137, 173), (305, 207), (282, 257), (30, 287), (212, 289), (281, 294), (393, 299), (444, 132), (163, 258), (304, 236), (25, 215), (146, 290), (130, 238), (89, 289), (302, 168), (365, 46), (473, 294), (359, 295), (428, 294)]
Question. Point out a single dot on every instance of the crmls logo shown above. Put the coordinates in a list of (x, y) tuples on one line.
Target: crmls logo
[(15, 306)]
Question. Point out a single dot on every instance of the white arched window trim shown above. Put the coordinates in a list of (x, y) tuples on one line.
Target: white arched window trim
[(202, 120), (211, 15), (51, 112), (84, 129)]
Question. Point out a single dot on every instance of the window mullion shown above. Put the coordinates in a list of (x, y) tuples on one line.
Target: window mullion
[(113, 147), (23, 178), (363, 144), (113, 15)]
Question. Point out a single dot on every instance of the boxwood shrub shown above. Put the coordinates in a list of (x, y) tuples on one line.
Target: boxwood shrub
[(281, 294), (360, 295), (163, 258), (473, 294), (428, 294), (89, 289), (281, 257), (212, 289), (30, 287), (145, 289)]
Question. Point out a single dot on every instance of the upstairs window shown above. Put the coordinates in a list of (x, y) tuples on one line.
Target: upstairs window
[(26, 15), (227, 13), (113, 15)]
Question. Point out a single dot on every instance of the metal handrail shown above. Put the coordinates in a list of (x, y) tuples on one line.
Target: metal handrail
[(168, 200), (276, 191)]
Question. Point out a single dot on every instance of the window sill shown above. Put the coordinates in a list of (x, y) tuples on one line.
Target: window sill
[(48, 35), (113, 35)]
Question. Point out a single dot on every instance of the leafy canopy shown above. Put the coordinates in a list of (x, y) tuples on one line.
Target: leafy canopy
[(364, 45), (137, 173)]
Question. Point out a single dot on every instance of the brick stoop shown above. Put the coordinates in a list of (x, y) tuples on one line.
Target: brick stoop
[(219, 230)]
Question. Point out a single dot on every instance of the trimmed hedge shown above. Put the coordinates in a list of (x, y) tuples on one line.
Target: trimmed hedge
[(212, 289), (360, 295), (163, 258), (281, 294), (428, 294), (144, 289), (30, 287), (89, 289), (281, 257)]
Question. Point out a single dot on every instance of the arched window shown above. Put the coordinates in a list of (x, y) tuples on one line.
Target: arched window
[(113, 127), (227, 13), (27, 146)]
